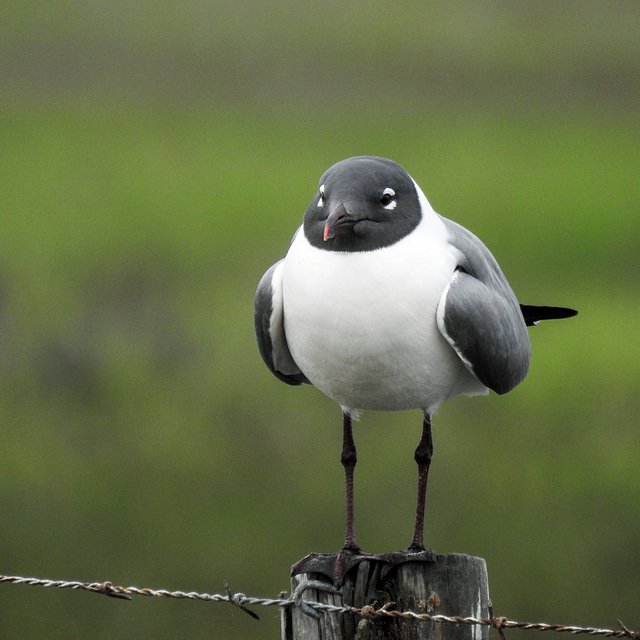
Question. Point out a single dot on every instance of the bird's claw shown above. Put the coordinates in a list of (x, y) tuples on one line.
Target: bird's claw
[(334, 566), (396, 558)]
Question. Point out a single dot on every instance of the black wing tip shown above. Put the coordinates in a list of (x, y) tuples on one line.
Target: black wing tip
[(568, 313), (533, 314)]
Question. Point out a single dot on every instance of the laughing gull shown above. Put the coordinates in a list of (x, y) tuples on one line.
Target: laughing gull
[(385, 305)]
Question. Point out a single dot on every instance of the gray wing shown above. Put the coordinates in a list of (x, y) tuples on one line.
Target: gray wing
[(480, 317), (268, 314)]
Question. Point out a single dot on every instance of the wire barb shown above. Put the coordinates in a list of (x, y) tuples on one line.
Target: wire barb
[(497, 622), (631, 634), (237, 599), (109, 590)]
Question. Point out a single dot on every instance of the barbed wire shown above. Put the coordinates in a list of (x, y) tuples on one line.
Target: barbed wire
[(314, 609)]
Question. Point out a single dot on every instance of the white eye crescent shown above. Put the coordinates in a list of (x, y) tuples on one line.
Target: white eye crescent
[(321, 198), (388, 200)]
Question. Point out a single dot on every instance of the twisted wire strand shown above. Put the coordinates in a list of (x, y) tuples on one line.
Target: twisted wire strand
[(369, 612)]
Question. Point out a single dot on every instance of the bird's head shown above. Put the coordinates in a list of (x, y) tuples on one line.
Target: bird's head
[(362, 204)]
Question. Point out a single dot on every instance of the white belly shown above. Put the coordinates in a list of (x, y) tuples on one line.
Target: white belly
[(364, 332)]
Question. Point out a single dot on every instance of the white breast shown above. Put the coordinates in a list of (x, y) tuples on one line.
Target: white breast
[(362, 326)]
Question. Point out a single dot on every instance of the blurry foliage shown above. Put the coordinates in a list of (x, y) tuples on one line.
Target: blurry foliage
[(157, 158)]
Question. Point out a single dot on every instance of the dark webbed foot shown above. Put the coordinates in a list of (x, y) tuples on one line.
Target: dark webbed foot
[(395, 558), (335, 566)]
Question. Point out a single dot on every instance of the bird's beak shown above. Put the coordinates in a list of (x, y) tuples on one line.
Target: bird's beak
[(338, 220)]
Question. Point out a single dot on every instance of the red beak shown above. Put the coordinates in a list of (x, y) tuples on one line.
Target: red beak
[(338, 220)]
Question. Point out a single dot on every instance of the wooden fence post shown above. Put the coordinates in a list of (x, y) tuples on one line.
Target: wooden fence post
[(453, 585)]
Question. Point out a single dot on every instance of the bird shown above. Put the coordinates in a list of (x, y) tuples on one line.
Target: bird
[(385, 305)]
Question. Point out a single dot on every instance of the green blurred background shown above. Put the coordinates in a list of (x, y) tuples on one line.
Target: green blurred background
[(156, 158)]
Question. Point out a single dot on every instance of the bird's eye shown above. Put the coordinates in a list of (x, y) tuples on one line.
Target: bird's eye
[(388, 199), (321, 196)]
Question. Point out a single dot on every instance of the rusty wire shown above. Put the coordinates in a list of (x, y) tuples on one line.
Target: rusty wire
[(369, 612)]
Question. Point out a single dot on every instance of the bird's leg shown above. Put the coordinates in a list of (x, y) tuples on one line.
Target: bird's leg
[(422, 456), (349, 459), (336, 565), (416, 551)]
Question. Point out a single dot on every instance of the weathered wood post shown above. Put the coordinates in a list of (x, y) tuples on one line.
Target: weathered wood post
[(453, 585)]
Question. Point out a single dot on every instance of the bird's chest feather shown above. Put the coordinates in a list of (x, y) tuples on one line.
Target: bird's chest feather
[(362, 326)]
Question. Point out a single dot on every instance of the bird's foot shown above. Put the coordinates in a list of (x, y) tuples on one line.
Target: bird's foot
[(333, 565), (412, 554)]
